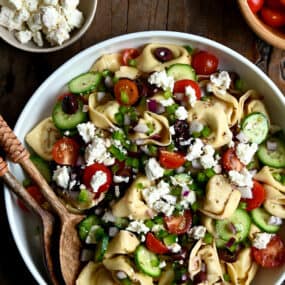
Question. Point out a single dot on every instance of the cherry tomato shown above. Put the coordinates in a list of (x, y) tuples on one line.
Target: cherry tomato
[(271, 256), (88, 173), (128, 54), (258, 196), (274, 4), (230, 161), (273, 17), (155, 245), (171, 160), (34, 191), (255, 5), (180, 85), (282, 2), (204, 62), (126, 92), (179, 224), (65, 151)]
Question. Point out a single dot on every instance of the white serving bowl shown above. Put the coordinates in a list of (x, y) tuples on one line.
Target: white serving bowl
[(23, 225)]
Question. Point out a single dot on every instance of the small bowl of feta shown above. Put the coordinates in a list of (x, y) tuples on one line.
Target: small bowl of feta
[(44, 26)]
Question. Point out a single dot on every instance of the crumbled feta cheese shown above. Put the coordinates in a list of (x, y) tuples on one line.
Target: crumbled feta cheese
[(181, 113), (197, 232), (261, 240), (242, 137), (72, 184), (221, 80), (14, 4), (157, 228), (162, 80), (153, 170), (162, 264), (120, 179), (108, 217), (50, 17), (243, 180), (113, 231), (97, 180), (61, 176), (166, 102), (138, 227), (32, 5), (231, 144), (187, 198), (6, 16), (191, 94), (74, 17), (117, 191), (35, 22), (50, 2), (121, 275), (97, 151), (275, 221), (86, 131), (207, 160), (196, 127), (172, 130), (175, 247), (245, 152), (38, 38), (23, 36), (195, 150), (69, 3)]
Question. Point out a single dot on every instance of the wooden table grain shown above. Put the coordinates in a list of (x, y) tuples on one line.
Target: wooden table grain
[(21, 73)]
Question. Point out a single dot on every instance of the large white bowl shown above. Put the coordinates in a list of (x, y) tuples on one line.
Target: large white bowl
[(23, 225)]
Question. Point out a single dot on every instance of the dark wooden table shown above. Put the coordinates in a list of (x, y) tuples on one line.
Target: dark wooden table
[(21, 73)]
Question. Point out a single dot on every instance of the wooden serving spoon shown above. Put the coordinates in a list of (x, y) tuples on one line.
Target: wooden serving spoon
[(69, 242), (47, 220)]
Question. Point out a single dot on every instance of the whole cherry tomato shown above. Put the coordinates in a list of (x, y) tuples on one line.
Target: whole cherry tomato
[(255, 5), (205, 62), (273, 18)]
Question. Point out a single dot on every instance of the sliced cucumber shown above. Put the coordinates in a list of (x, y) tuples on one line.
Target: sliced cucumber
[(181, 71), (42, 166), (240, 221), (147, 261), (255, 127), (260, 217), (65, 121), (101, 248), (85, 83), (274, 158), (85, 226)]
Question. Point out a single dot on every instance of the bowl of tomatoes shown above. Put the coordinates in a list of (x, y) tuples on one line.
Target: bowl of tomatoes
[(267, 19)]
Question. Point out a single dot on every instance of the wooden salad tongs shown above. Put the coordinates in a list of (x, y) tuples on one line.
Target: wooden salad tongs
[(47, 220), (69, 242)]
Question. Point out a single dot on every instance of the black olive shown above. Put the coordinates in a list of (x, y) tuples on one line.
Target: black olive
[(163, 54), (182, 134), (70, 104)]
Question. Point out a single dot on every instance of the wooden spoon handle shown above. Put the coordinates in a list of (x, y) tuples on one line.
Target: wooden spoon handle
[(18, 154)]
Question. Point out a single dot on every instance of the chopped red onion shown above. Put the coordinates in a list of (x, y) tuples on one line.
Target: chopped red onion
[(160, 109), (100, 96), (109, 82), (155, 137), (152, 105), (80, 161), (184, 277), (179, 96), (141, 128), (232, 228), (271, 145), (231, 242), (185, 193)]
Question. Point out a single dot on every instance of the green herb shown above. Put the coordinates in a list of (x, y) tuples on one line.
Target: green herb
[(132, 62), (83, 196), (124, 97), (152, 149), (209, 172), (171, 109), (161, 234), (189, 49), (205, 132), (133, 162), (150, 128), (167, 94), (195, 206), (170, 147), (239, 85), (121, 223), (176, 191), (149, 224), (117, 153), (227, 277), (158, 220), (170, 239), (119, 135), (201, 177), (208, 238), (106, 73), (139, 186), (115, 80), (242, 205), (119, 118), (168, 172)]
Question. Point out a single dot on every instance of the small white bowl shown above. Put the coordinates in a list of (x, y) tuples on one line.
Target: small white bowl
[(88, 9), (23, 225)]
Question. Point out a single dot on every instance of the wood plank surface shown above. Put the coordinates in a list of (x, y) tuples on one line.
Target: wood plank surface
[(21, 73)]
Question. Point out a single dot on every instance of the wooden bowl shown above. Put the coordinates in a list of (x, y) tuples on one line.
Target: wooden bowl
[(88, 9), (267, 33)]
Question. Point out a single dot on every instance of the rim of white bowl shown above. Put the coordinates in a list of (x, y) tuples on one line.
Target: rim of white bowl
[(156, 33)]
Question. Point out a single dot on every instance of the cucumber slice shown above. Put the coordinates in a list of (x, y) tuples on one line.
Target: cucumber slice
[(240, 220), (255, 127), (147, 261), (260, 217), (101, 248), (65, 121), (181, 71), (274, 158), (85, 83), (42, 166), (85, 226)]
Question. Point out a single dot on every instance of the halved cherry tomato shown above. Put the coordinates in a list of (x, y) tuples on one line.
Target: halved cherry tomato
[(179, 224), (171, 160), (126, 92), (65, 151), (88, 173), (255, 5), (155, 245), (180, 85), (258, 196), (128, 54), (272, 17), (34, 191), (271, 256), (204, 62), (230, 161)]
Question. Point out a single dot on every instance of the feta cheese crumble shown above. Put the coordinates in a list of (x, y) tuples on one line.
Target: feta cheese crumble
[(191, 94), (197, 232), (153, 169), (261, 240), (162, 80), (181, 113), (97, 180), (221, 80), (138, 227), (61, 176), (275, 221), (175, 247), (86, 131), (246, 151), (121, 179)]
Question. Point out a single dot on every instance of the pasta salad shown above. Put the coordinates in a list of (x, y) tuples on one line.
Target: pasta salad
[(177, 166)]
